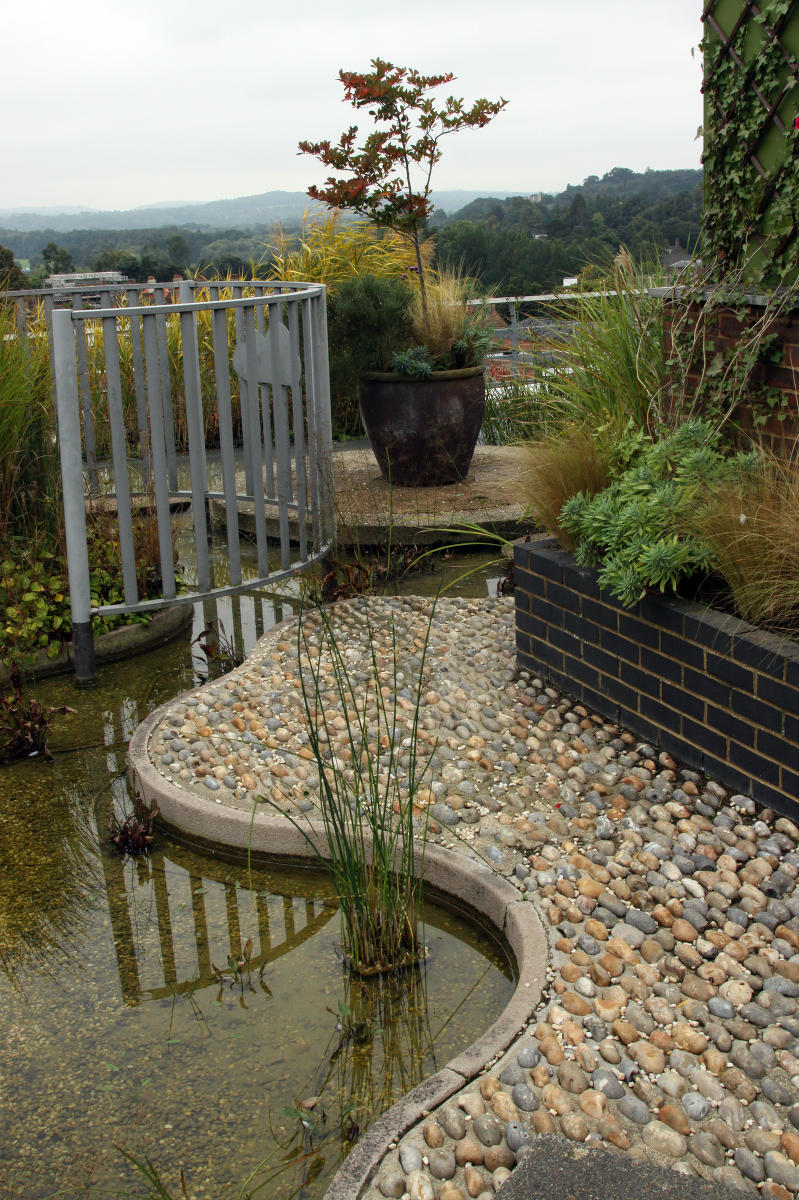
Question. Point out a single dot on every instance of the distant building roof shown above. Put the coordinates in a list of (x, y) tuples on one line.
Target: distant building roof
[(77, 278)]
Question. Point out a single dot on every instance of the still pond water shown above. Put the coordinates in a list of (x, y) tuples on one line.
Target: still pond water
[(119, 1036)]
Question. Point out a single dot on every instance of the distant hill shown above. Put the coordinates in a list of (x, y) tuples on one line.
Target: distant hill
[(525, 245), (622, 182), (618, 184), (242, 212)]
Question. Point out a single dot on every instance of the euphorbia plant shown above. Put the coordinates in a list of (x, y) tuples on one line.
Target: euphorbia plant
[(387, 178)]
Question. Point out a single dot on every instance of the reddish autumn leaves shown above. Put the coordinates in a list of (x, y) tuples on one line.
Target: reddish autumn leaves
[(387, 177)]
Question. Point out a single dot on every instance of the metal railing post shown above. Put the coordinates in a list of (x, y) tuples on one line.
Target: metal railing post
[(69, 444), (324, 430)]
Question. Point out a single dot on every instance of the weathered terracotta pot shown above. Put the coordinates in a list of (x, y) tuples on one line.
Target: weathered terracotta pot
[(423, 431)]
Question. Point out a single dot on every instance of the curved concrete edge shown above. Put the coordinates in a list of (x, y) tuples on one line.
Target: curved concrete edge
[(371, 529), (459, 879), (124, 642)]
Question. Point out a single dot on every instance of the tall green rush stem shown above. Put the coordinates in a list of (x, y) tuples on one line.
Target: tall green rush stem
[(367, 795)]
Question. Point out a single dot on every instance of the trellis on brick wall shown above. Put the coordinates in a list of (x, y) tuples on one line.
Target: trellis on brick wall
[(751, 99)]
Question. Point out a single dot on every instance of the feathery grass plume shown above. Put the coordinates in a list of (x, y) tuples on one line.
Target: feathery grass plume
[(452, 333), (569, 460), (610, 370), (368, 789), (333, 250), (750, 525)]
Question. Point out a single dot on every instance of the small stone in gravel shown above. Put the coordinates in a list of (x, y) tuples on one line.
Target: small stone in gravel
[(634, 1110), (452, 1121), (468, 1151), (516, 1135), (780, 1168), (528, 1056), (707, 1149), (574, 1127), (524, 1098), (572, 1078), (392, 1185), (605, 1081), (663, 1140), (749, 1166), (442, 1164), (410, 1158), (696, 1106), (420, 1187), (488, 1129), (499, 1156)]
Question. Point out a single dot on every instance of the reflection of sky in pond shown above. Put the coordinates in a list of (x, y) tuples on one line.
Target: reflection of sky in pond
[(115, 1026)]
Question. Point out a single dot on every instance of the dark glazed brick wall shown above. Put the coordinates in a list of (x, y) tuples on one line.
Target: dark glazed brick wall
[(713, 691)]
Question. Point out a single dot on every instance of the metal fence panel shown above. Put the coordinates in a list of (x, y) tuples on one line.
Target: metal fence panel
[(285, 451)]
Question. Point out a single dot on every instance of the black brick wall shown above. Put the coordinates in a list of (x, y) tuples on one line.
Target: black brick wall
[(713, 691)]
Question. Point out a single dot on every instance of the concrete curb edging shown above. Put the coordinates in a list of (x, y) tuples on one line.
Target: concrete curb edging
[(123, 642), (455, 876)]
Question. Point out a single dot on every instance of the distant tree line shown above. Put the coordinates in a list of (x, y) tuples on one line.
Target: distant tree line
[(523, 246), (138, 253), (519, 245)]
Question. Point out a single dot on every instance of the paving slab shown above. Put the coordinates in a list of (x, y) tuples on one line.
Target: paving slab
[(556, 1169)]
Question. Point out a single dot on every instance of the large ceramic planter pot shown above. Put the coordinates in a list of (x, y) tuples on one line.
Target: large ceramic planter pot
[(423, 431)]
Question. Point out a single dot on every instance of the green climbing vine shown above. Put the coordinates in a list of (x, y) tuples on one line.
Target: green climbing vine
[(722, 348), (751, 201), (727, 323)]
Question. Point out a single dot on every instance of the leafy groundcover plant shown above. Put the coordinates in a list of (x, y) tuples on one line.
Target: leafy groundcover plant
[(638, 529)]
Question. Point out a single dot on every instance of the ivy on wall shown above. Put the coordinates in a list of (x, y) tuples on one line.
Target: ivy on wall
[(751, 144)]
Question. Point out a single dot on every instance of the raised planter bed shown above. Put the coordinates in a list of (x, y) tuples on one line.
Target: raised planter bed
[(714, 691)]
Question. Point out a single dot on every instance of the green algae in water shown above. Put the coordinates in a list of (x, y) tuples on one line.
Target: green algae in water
[(118, 1032)]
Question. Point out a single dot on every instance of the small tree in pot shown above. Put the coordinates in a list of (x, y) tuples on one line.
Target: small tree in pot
[(387, 179)]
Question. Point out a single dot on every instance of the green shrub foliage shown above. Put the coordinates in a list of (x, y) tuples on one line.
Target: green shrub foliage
[(637, 529)]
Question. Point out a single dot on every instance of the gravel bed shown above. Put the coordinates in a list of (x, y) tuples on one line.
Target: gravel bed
[(669, 1025)]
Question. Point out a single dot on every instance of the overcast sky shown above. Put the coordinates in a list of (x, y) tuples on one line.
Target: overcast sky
[(118, 103)]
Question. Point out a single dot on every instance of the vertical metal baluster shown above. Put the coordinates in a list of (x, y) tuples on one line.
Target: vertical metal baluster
[(161, 488), (49, 309), (166, 399), (20, 317), (299, 433), (324, 447), (194, 420), (84, 387), (244, 396), (308, 335), (282, 444), (119, 452), (233, 924), (66, 386), (269, 454), (254, 439), (134, 321), (222, 372)]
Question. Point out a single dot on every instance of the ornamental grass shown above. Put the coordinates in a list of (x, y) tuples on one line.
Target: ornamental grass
[(29, 480), (375, 831), (610, 370), (571, 459), (750, 525)]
